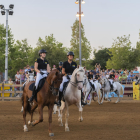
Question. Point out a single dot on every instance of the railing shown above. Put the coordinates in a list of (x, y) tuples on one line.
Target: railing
[(5, 91)]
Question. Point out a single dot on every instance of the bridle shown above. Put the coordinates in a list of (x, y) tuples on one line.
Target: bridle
[(75, 83), (52, 85)]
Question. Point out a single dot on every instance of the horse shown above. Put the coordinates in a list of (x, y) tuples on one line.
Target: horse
[(72, 95), (117, 88), (87, 89), (45, 97)]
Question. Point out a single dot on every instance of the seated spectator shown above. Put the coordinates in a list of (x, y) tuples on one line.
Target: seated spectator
[(126, 72), (121, 71), (123, 78), (135, 71), (131, 77)]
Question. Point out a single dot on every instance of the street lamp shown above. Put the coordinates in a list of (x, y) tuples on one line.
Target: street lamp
[(10, 12), (80, 14)]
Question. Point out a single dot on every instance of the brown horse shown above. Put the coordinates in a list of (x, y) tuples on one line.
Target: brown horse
[(45, 97)]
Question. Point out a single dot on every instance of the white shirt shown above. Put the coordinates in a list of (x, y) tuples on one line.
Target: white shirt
[(17, 76)]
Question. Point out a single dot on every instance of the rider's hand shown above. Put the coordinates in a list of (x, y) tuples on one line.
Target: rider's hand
[(41, 73)]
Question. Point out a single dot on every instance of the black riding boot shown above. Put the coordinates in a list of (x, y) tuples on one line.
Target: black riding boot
[(93, 87), (33, 94), (111, 87), (82, 96), (60, 97)]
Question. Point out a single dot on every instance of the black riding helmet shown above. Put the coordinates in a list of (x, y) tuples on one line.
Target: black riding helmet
[(70, 53), (60, 63), (41, 51)]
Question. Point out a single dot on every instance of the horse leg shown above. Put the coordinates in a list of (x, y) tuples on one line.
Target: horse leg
[(40, 109), (54, 109), (60, 116), (50, 110), (66, 117), (118, 100), (24, 113), (107, 97), (32, 111), (102, 97), (90, 99)]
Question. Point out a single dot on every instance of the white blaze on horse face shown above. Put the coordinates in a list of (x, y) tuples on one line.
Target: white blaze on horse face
[(80, 78)]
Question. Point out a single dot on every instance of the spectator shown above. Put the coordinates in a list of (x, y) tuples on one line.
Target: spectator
[(136, 76), (94, 72), (123, 78), (22, 78), (126, 72), (116, 76), (17, 79), (135, 71), (121, 71), (54, 67), (98, 67), (131, 77), (10, 82)]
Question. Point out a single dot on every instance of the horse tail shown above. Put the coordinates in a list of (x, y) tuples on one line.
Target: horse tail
[(122, 90), (27, 106)]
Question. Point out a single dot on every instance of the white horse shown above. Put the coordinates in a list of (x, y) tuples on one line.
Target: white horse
[(89, 90), (72, 96), (117, 88)]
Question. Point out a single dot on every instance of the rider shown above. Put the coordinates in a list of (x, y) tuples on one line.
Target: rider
[(60, 66), (111, 79), (97, 78), (90, 76), (32, 72), (42, 68), (68, 67)]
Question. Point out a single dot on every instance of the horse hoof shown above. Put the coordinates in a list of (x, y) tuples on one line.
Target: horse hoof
[(51, 134), (25, 128), (29, 123), (61, 124), (81, 119), (67, 129)]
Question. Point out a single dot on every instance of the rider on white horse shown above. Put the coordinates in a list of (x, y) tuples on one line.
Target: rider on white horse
[(42, 68), (90, 77), (111, 79), (97, 78), (68, 67)]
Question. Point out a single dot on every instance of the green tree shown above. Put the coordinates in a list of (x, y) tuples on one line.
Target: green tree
[(85, 44), (101, 57), (122, 54), (55, 51)]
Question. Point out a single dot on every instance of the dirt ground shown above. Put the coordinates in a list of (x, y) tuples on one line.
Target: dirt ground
[(104, 122)]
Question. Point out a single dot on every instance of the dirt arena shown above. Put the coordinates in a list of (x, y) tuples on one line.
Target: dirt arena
[(104, 122)]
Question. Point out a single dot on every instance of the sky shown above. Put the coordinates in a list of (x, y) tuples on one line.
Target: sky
[(104, 20)]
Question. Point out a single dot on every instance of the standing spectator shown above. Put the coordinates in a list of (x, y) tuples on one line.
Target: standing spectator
[(135, 71), (98, 67), (10, 82), (54, 67), (131, 77), (22, 78), (17, 79)]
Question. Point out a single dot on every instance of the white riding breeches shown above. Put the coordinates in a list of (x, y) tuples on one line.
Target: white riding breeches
[(64, 80), (39, 77), (111, 81)]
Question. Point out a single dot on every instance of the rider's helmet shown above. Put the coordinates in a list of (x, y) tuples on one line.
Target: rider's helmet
[(92, 71), (32, 67), (41, 51), (60, 63), (70, 53)]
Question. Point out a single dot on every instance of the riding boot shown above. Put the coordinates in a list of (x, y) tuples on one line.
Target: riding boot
[(33, 94), (60, 97), (111, 87), (82, 96), (93, 87)]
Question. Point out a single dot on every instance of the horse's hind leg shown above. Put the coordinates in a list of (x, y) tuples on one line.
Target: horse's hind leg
[(102, 100), (118, 100), (40, 109), (25, 102), (32, 111)]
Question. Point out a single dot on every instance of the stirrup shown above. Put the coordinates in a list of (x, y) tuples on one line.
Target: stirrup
[(31, 99), (59, 103)]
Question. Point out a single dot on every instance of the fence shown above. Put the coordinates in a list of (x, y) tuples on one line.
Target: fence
[(2, 92)]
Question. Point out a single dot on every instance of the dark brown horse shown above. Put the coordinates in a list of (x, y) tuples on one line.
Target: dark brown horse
[(45, 97)]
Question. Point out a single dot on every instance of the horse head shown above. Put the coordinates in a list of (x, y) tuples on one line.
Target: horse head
[(103, 81), (54, 79), (79, 77)]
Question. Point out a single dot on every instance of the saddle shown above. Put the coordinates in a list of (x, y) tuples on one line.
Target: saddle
[(111, 86), (40, 85)]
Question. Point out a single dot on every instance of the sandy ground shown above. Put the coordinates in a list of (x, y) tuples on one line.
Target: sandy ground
[(109, 121)]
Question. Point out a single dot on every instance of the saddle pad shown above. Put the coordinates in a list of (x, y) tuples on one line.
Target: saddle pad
[(40, 85)]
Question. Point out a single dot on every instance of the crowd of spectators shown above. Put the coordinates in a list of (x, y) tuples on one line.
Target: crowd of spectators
[(122, 76)]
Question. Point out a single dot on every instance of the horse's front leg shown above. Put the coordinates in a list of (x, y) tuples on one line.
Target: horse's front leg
[(80, 111), (40, 110), (107, 97), (32, 111), (60, 113), (66, 117), (102, 97), (90, 98), (50, 110)]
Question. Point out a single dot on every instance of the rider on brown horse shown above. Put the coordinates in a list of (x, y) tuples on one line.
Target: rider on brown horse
[(42, 68)]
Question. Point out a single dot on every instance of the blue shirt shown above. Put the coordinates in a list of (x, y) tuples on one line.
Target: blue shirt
[(135, 72)]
